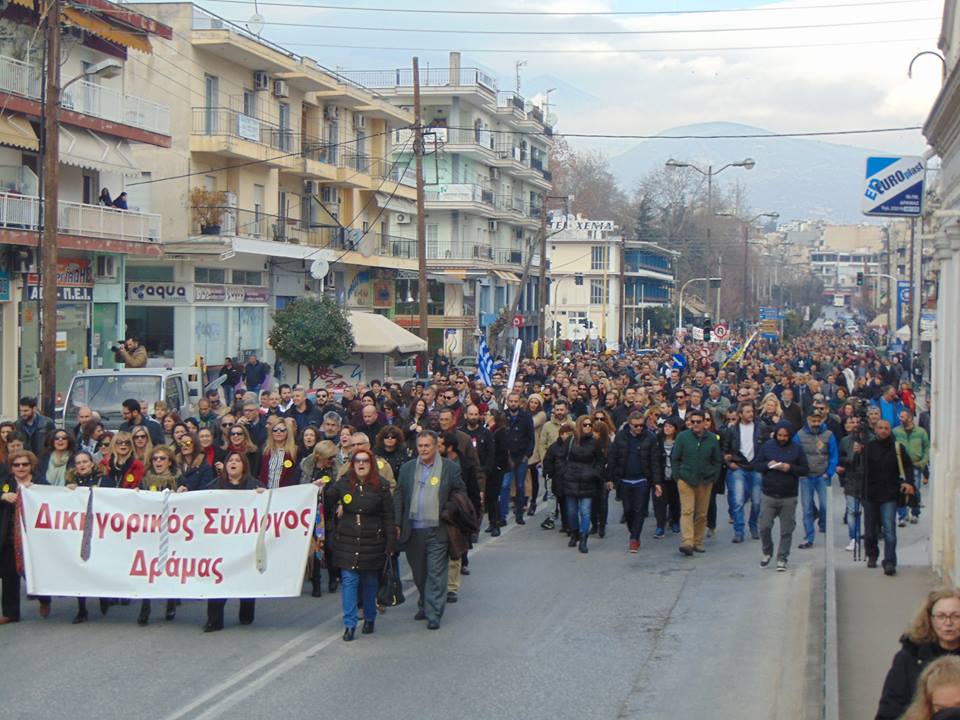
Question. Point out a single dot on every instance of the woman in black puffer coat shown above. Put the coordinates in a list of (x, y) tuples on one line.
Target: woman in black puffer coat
[(363, 537), (582, 480)]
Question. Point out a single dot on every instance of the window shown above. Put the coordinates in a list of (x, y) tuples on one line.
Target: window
[(248, 329), (174, 394), (599, 292), (154, 326), (210, 275), (149, 273), (247, 277), (249, 103), (210, 330), (598, 257)]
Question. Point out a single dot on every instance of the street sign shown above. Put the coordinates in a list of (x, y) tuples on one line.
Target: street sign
[(769, 313), (894, 186), (697, 333), (720, 332), (518, 321)]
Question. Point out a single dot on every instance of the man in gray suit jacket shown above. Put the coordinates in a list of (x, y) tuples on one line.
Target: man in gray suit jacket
[(423, 489)]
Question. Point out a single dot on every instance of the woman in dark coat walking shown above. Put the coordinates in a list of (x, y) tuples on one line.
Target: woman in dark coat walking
[(582, 479), (933, 633), (363, 537)]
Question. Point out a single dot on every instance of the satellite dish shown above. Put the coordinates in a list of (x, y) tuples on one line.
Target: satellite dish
[(255, 24), (319, 269)]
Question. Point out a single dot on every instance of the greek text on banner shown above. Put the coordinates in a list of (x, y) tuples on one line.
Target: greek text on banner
[(219, 543)]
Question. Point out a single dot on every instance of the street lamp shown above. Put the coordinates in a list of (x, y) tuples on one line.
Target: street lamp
[(712, 280), (746, 164), (746, 241)]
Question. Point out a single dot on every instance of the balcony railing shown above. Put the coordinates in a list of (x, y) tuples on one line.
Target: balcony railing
[(224, 121), (20, 78), (460, 193), (396, 247), (19, 212), (262, 226), (506, 256), (429, 77), (438, 250), (92, 99)]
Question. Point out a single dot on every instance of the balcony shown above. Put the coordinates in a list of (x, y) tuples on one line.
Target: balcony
[(394, 246), (87, 98), (430, 78), (437, 250), (224, 131), (506, 256), (261, 226), (461, 193), (91, 99), (20, 212)]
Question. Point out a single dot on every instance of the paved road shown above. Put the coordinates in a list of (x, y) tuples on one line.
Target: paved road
[(540, 630)]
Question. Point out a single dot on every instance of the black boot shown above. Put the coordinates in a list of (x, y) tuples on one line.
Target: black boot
[(144, 617), (583, 545), (316, 580), (601, 531), (574, 537), (171, 612)]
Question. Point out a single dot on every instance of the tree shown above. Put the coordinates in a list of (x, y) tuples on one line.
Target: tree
[(587, 176), (312, 332)]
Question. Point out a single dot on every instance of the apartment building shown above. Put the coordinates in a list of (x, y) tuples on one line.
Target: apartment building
[(487, 177), (104, 118), (586, 295), (276, 162)]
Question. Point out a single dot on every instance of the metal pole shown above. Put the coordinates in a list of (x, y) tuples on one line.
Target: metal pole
[(916, 284), (542, 286), (48, 249), (719, 275), (746, 273), (421, 212), (623, 292)]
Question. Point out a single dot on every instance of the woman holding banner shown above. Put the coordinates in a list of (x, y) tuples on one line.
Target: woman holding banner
[(235, 476), (87, 474), (120, 464), (195, 473), (363, 537), (23, 466), (278, 467), (162, 475)]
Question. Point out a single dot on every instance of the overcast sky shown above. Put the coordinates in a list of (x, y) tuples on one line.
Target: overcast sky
[(855, 78)]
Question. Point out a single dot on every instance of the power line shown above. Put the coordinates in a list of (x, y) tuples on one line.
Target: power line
[(571, 13), (718, 136), (581, 33), (592, 51)]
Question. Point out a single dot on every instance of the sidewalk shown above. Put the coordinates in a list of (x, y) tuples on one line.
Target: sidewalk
[(873, 610)]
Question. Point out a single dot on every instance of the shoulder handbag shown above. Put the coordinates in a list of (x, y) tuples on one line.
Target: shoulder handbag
[(390, 592)]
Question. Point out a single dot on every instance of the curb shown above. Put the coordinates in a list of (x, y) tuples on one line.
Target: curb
[(831, 684)]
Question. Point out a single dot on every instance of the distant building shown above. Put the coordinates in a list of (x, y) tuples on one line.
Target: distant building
[(586, 297)]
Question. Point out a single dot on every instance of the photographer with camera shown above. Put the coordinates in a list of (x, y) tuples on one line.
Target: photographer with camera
[(130, 352), (888, 481)]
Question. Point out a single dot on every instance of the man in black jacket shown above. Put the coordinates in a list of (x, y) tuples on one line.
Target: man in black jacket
[(520, 439), (889, 473), (635, 465), (782, 463), (741, 444), (482, 441)]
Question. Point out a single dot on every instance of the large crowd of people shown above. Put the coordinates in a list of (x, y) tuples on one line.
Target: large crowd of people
[(422, 467)]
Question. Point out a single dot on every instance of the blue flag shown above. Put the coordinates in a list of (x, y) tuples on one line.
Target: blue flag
[(484, 362)]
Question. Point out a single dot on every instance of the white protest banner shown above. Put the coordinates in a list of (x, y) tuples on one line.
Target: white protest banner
[(211, 545), (514, 365)]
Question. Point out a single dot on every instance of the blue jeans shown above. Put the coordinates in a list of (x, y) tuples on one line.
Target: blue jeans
[(853, 517), (349, 579), (578, 513), (880, 518), (741, 486), (917, 483), (810, 485), (518, 475)]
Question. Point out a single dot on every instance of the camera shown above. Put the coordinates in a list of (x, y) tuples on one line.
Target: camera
[(117, 346)]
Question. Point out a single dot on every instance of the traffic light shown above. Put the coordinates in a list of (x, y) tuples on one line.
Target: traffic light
[(578, 279), (859, 278), (707, 328)]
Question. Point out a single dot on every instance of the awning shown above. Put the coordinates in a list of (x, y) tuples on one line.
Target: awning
[(91, 150), (396, 204), (507, 276), (17, 131), (126, 37), (379, 335), (268, 248), (445, 277)]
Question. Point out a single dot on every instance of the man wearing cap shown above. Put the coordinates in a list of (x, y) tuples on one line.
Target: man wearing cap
[(822, 453)]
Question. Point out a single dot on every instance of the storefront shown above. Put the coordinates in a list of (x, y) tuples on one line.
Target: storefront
[(74, 315), (8, 347)]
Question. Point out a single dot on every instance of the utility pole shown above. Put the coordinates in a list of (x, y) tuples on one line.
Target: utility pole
[(623, 291), (719, 275), (421, 216), (916, 285), (746, 279), (542, 280), (48, 244)]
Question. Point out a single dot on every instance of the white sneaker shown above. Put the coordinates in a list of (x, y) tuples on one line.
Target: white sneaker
[(852, 544)]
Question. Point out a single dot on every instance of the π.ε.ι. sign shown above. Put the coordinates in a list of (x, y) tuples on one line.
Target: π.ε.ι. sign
[(894, 186)]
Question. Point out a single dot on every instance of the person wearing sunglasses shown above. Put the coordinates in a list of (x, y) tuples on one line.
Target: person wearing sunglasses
[(142, 445), (23, 465), (363, 537), (236, 438), (120, 464), (163, 474), (279, 466), (581, 480), (191, 462), (58, 458)]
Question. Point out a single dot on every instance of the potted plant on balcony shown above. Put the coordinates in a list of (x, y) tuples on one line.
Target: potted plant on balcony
[(207, 209)]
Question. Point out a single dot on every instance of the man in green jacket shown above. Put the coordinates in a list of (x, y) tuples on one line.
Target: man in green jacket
[(696, 461), (917, 444)]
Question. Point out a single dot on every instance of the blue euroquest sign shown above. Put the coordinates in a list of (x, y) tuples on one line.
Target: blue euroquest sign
[(894, 186)]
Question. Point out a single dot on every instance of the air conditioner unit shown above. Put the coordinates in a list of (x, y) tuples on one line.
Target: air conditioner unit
[(331, 112), (280, 89), (402, 219), (359, 121), (494, 173), (493, 225), (260, 80), (309, 188), (105, 268)]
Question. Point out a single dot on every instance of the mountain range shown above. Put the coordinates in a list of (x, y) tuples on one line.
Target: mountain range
[(800, 178)]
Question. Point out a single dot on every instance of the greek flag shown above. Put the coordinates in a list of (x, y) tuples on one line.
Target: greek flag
[(484, 362)]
